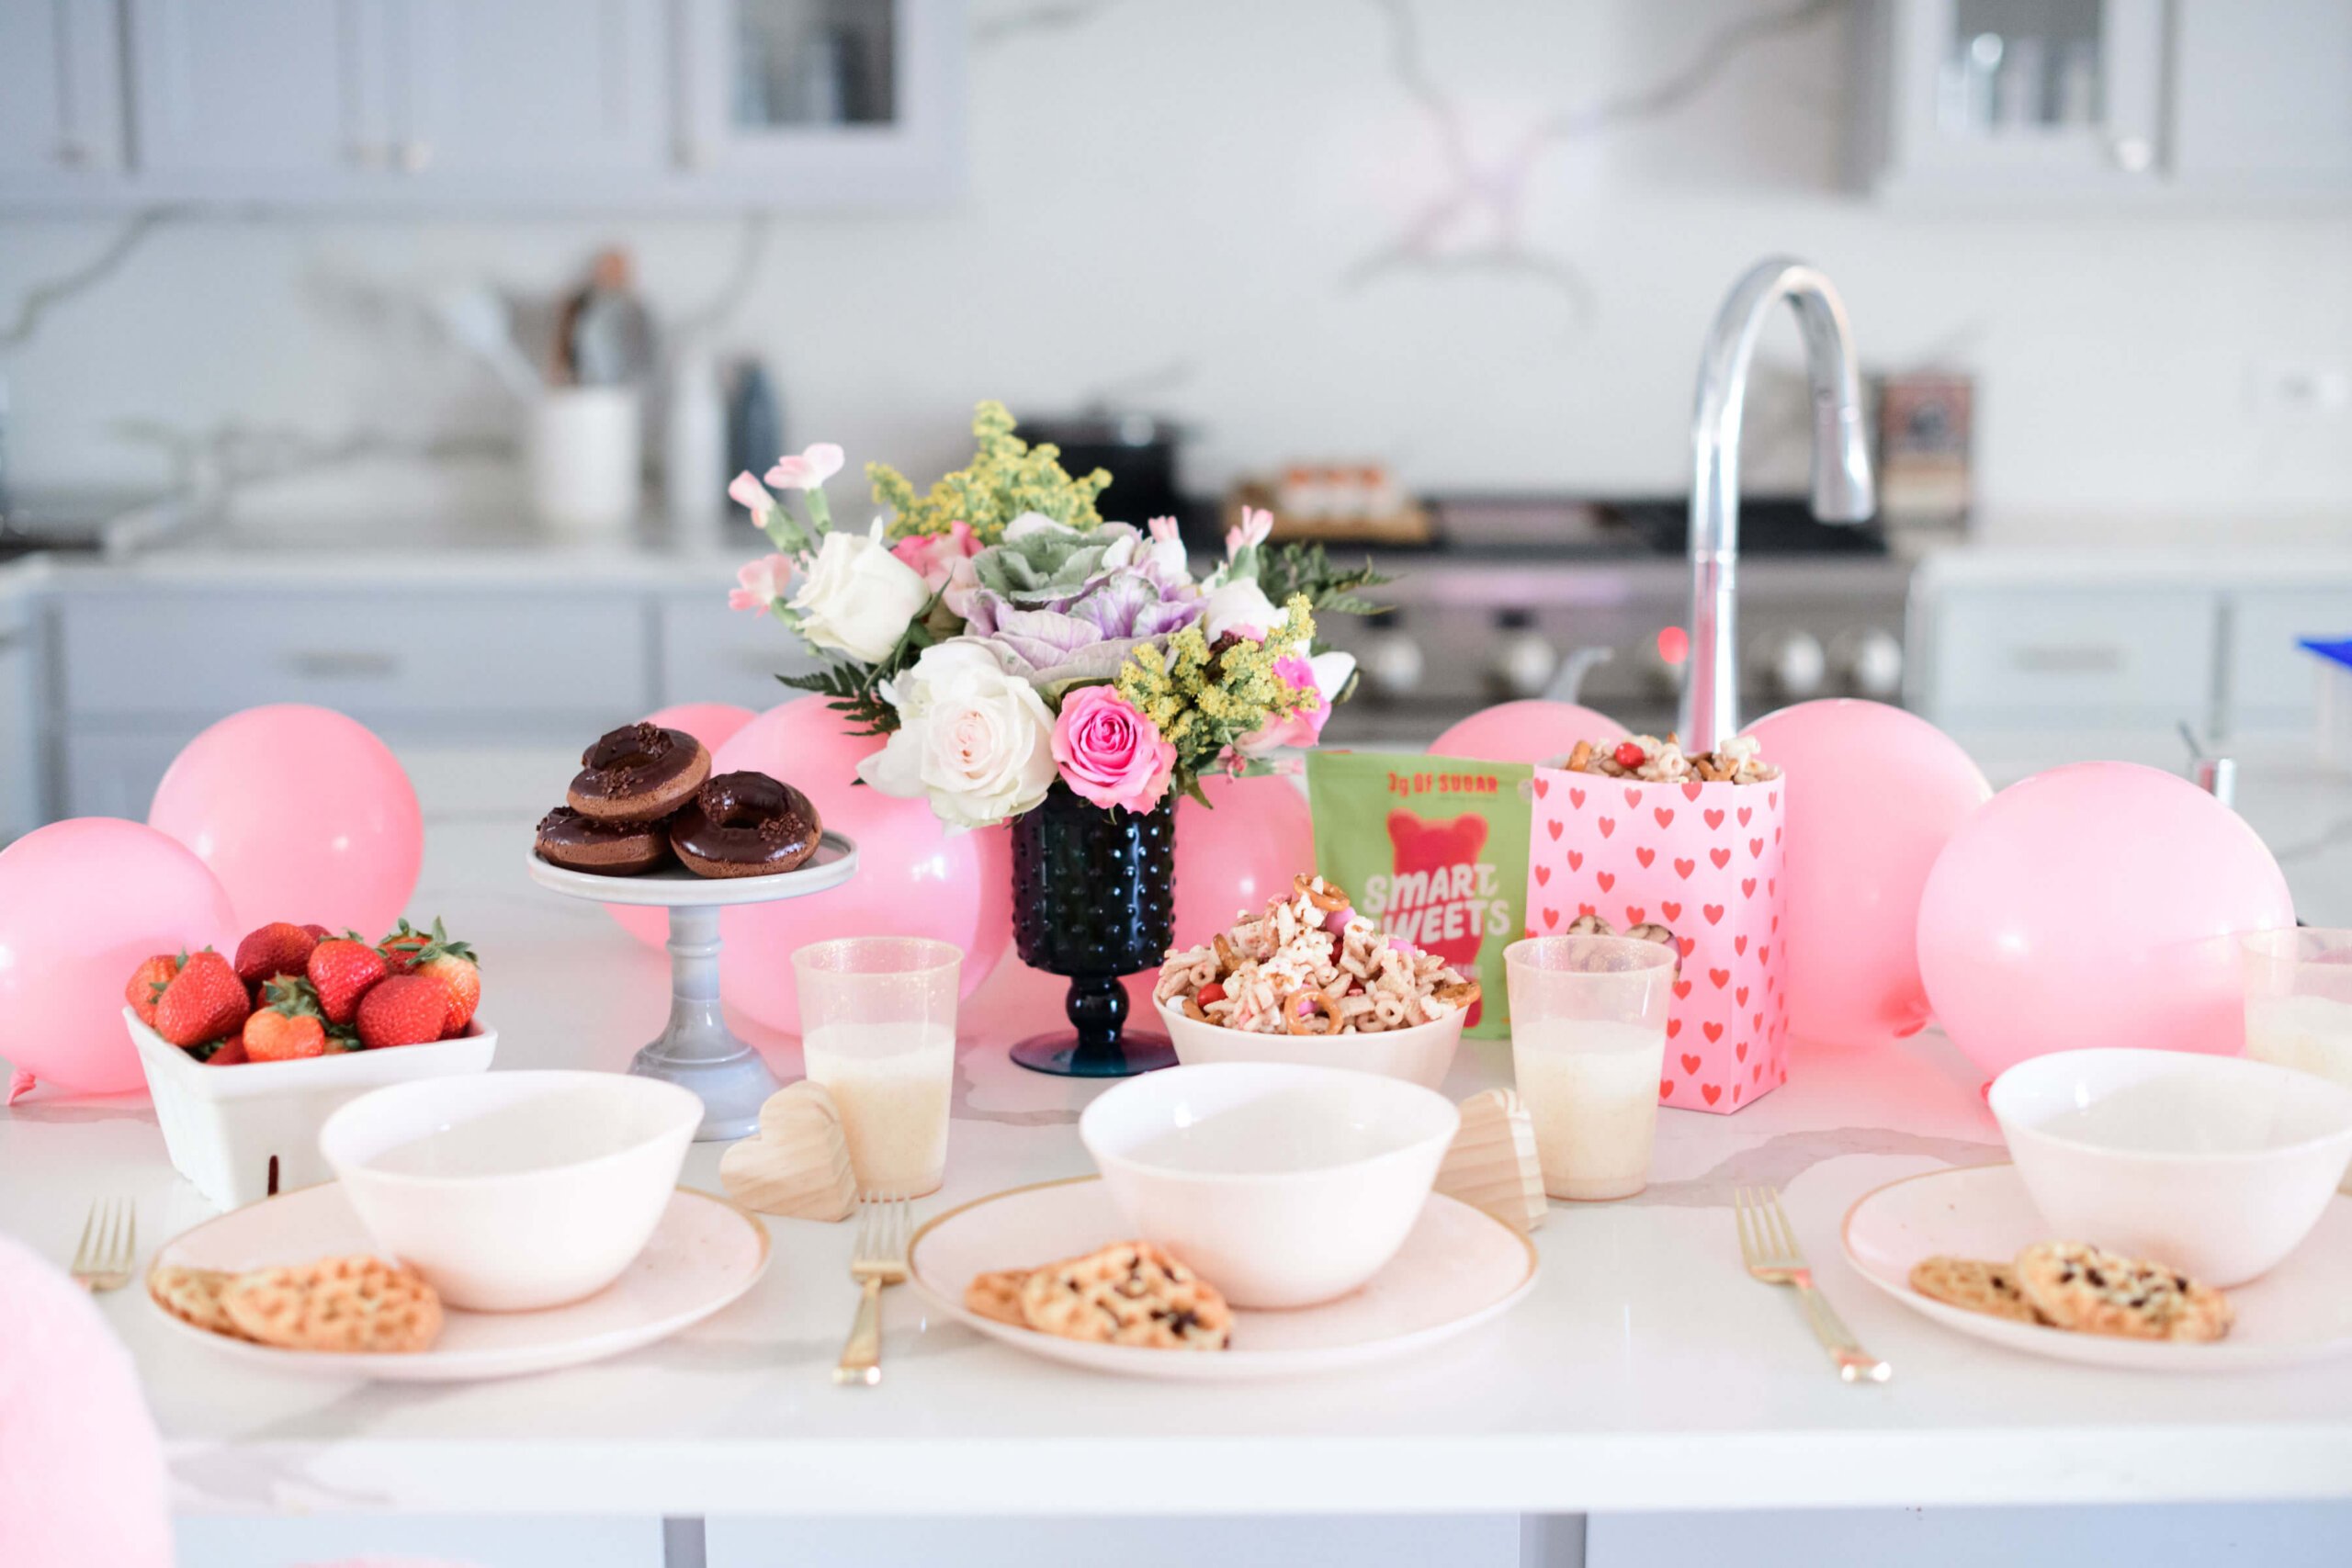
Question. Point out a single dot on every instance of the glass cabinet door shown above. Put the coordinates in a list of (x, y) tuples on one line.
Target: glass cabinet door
[(857, 100), (2018, 92)]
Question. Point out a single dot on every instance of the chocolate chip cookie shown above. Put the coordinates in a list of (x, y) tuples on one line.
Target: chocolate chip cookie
[(2080, 1286), (1130, 1293)]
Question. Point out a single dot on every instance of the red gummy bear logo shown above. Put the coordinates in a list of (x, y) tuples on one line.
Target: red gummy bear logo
[(1437, 849)]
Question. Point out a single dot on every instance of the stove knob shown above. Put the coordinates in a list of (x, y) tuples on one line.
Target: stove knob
[(1795, 665), (1872, 661), (1392, 663), (1524, 660)]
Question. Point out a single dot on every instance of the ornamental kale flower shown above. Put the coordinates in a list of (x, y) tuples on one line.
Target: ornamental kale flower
[(1068, 604)]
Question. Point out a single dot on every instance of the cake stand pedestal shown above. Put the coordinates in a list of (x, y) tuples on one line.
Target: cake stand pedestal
[(696, 1050)]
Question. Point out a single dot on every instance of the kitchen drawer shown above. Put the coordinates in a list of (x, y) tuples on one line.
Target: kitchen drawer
[(571, 661), (2032, 657), (2273, 683), (712, 654)]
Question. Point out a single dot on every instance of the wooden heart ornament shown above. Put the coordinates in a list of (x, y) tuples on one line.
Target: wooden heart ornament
[(1492, 1164), (797, 1163)]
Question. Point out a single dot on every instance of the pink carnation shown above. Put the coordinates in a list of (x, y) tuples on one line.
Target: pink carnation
[(760, 584), (944, 563), (1110, 753), (1324, 675)]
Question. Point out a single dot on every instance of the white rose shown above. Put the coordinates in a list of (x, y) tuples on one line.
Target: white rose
[(977, 741), (1240, 606), (858, 598)]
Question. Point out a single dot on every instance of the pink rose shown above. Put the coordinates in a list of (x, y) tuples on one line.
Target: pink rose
[(944, 563), (1109, 752)]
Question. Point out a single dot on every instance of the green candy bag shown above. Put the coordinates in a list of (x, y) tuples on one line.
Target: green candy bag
[(1434, 849)]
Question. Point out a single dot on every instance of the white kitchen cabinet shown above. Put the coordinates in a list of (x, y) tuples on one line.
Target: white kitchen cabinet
[(527, 87), (2069, 657), (2270, 682), (712, 654), (61, 92), (2116, 102), (486, 657), (850, 102), (2262, 96), (20, 750), (249, 89), (462, 106)]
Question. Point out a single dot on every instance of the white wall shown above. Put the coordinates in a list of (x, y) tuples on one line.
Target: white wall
[(1243, 212)]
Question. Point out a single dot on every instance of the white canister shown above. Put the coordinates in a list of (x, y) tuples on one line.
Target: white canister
[(585, 460)]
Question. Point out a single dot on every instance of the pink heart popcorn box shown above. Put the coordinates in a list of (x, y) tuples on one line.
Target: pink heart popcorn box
[(1703, 860)]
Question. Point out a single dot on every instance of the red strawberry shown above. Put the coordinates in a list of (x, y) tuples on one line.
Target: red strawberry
[(227, 1053), (291, 1026), (204, 1001), (318, 932), (147, 983), (406, 1009), (276, 949), (454, 964), (405, 946), (342, 968)]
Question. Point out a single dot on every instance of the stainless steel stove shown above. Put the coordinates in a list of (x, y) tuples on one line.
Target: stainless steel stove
[(1586, 600)]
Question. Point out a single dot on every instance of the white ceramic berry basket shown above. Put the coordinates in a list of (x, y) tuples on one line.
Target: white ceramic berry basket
[(241, 1132), (1419, 1055)]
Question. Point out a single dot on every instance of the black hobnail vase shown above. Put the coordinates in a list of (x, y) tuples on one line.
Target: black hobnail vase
[(1094, 898)]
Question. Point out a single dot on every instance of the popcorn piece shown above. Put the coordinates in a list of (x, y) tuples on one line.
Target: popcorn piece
[(1310, 965)]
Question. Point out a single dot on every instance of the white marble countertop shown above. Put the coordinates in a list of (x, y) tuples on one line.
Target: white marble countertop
[(1645, 1371)]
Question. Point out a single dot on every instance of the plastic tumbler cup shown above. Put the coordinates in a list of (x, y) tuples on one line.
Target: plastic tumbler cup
[(2299, 1001), (878, 1029), (1587, 1045)]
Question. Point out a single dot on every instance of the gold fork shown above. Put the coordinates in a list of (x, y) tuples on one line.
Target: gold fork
[(878, 1259), (109, 1244), (1769, 1245)]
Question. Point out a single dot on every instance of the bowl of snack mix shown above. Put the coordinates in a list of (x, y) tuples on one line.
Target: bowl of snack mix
[(1310, 981)]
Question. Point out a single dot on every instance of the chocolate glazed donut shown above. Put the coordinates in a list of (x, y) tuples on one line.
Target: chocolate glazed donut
[(611, 849), (638, 772), (745, 825)]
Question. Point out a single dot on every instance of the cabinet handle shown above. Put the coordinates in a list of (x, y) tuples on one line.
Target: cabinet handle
[(343, 664), (2133, 154), (2079, 660), (415, 157), (73, 152)]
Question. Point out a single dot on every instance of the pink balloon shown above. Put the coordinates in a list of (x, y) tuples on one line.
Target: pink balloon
[(1533, 730), (302, 814), (81, 902), (713, 723), (914, 878), (1874, 793), (1240, 854), (2094, 905)]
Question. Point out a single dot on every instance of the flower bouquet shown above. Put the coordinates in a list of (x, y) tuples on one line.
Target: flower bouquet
[(1030, 662)]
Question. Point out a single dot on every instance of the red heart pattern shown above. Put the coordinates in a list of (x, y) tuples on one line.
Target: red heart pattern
[(1729, 1004)]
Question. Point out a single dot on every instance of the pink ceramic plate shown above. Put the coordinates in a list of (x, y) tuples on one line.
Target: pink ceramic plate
[(705, 1253), (2301, 1311), (1459, 1267)]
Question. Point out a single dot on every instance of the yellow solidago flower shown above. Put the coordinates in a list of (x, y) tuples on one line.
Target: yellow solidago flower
[(1007, 477)]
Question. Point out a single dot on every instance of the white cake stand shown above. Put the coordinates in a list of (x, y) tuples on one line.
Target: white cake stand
[(697, 1049)]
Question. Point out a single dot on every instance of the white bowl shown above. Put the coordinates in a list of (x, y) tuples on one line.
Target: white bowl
[(2214, 1165), (1283, 1185), (244, 1132), (1419, 1054), (513, 1192)]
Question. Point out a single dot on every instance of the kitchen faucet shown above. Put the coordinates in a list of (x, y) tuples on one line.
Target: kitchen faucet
[(1842, 492)]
